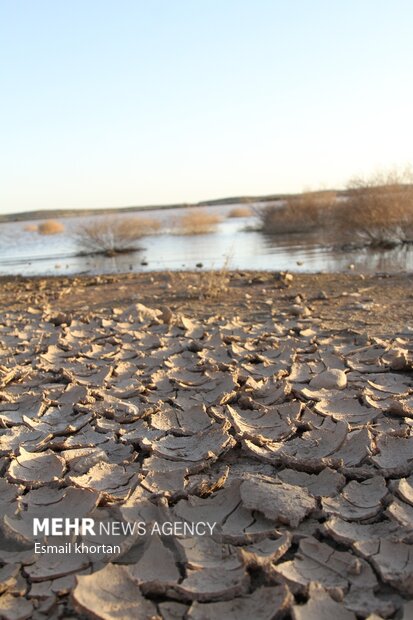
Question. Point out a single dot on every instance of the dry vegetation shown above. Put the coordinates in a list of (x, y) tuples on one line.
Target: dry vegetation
[(114, 235), (196, 223), (298, 214), (375, 211), (50, 227), (148, 225), (211, 284), (378, 210), (31, 228), (240, 212)]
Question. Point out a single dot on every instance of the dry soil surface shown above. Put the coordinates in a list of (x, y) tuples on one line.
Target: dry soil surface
[(278, 408)]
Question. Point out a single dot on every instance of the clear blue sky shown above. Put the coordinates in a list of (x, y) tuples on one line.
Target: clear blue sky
[(125, 102)]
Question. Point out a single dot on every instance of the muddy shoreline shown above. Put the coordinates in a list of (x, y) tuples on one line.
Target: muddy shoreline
[(376, 302)]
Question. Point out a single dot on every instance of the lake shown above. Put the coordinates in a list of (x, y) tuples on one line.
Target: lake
[(26, 252)]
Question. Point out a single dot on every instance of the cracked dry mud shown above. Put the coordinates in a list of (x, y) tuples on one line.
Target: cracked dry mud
[(279, 412)]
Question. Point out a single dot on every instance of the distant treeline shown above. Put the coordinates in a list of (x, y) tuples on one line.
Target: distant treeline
[(41, 214)]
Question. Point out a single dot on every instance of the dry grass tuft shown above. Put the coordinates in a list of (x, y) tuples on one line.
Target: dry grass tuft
[(378, 210), (298, 214), (196, 223), (114, 235), (240, 212), (31, 228), (201, 285), (149, 225), (50, 227), (213, 284)]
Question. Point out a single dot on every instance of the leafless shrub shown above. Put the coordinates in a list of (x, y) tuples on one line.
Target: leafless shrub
[(149, 225), (298, 214), (378, 210), (240, 212), (196, 223), (114, 235), (50, 227)]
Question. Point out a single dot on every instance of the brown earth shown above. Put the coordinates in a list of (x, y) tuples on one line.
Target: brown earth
[(386, 299), (278, 407)]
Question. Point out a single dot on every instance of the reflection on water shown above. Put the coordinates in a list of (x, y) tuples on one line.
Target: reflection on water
[(28, 253)]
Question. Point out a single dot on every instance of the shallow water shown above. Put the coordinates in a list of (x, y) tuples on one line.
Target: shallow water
[(24, 252)]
